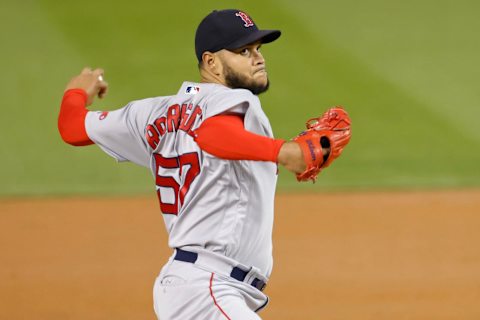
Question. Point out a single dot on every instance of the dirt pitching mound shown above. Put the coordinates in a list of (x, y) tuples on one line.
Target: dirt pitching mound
[(402, 255)]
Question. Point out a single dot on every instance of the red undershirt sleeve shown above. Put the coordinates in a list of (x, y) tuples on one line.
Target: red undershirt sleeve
[(224, 136), (71, 120)]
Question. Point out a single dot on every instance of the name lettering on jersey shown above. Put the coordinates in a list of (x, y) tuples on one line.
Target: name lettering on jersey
[(178, 118)]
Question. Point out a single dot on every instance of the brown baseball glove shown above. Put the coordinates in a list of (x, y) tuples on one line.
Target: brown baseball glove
[(323, 141)]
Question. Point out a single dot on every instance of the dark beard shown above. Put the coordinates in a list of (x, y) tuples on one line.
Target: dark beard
[(236, 81)]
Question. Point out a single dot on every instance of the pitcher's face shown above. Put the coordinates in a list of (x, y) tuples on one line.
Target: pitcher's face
[(245, 68)]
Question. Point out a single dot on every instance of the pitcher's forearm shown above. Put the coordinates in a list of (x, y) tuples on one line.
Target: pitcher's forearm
[(71, 119)]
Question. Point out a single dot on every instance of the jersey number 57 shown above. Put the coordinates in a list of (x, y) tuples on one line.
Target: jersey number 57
[(167, 169)]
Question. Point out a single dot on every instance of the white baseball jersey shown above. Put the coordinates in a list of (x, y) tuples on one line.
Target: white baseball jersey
[(219, 205)]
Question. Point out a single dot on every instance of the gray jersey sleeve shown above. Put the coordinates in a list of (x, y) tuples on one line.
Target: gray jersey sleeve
[(229, 101), (120, 133)]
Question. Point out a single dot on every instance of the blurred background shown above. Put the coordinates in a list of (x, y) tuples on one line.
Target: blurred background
[(406, 71)]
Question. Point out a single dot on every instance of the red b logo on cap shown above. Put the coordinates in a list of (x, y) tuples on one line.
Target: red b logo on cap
[(245, 18)]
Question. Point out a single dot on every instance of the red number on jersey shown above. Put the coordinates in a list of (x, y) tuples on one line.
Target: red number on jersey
[(168, 181)]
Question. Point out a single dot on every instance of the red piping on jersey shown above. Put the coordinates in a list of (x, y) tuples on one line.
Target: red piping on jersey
[(71, 119), (214, 300), (224, 136)]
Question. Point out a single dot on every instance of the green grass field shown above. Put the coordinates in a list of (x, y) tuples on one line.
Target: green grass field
[(406, 71)]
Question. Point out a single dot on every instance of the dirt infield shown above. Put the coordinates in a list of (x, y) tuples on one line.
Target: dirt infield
[(403, 255)]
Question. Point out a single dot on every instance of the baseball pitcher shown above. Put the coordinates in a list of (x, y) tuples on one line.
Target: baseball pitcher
[(213, 157)]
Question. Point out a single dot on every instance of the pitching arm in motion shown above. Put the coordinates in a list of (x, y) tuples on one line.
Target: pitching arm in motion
[(223, 136), (79, 94)]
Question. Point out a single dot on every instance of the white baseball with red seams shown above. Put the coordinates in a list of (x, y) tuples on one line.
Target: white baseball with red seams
[(214, 207)]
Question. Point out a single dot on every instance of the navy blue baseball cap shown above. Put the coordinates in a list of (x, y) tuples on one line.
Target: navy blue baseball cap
[(229, 29)]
